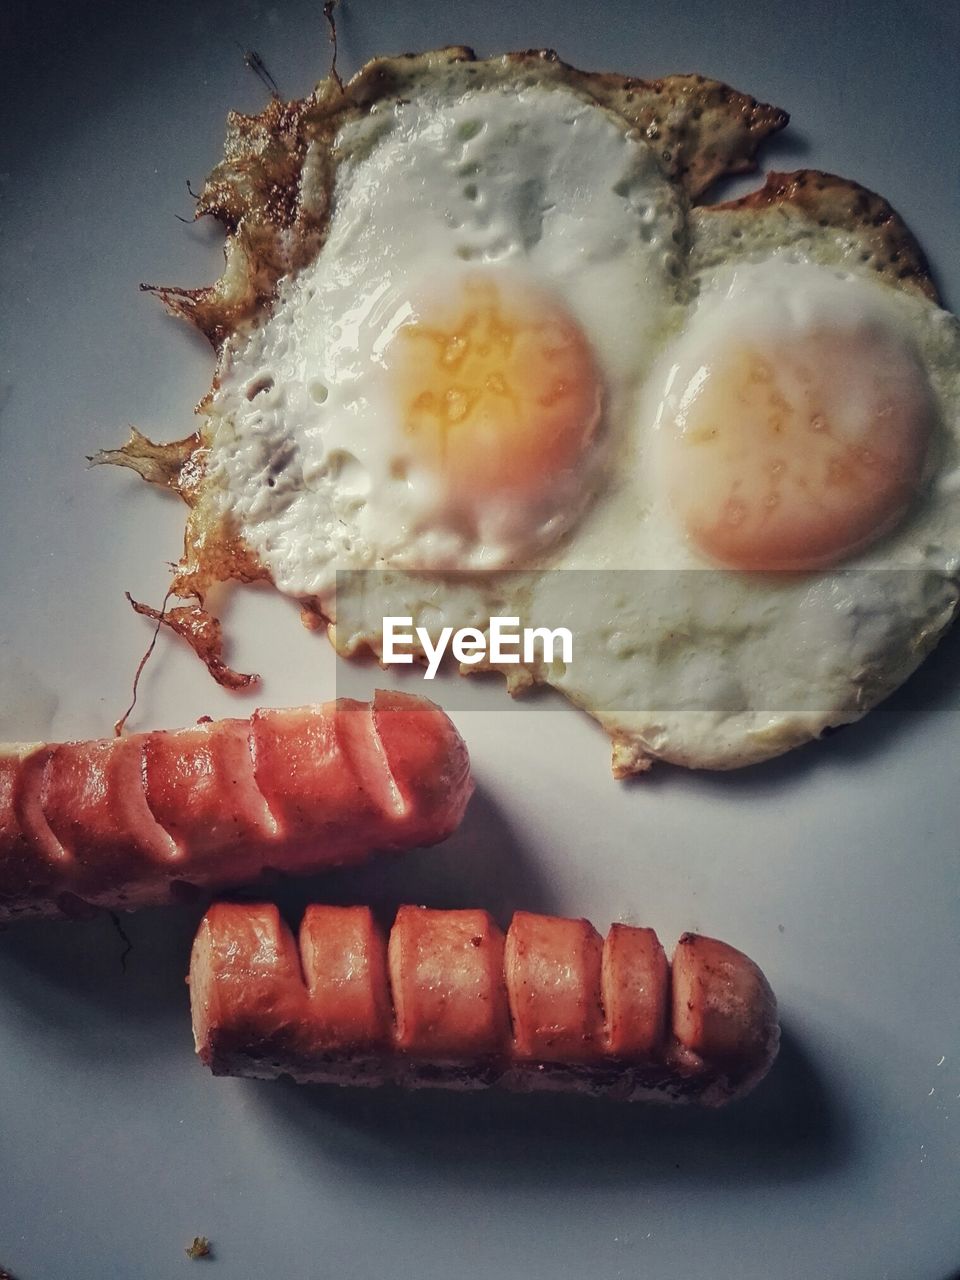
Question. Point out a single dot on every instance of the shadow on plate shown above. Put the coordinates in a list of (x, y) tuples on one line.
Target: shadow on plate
[(789, 1129), (780, 154), (76, 978), (483, 864)]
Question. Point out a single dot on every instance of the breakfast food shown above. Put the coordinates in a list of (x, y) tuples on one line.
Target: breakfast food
[(449, 1001), (147, 818), (476, 317)]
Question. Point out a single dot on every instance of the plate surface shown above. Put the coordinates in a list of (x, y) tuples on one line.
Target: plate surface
[(836, 868)]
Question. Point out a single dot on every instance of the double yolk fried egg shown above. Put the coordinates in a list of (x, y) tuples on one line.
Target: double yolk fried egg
[(520, 349)]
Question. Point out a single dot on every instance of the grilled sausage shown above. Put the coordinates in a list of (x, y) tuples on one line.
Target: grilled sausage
[(132, 821), (449, 1001)]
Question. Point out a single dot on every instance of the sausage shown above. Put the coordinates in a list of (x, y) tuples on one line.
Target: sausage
[(138, 820), (449, 1001)]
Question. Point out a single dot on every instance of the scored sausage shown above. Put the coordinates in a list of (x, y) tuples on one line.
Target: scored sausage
[(449, 1001), (138, 820)]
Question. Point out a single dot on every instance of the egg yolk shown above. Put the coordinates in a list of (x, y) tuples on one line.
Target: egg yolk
[(795, 456), (497, 388)]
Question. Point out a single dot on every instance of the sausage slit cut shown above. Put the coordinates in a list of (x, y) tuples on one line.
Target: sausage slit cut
[(30, 809), (363, 747)]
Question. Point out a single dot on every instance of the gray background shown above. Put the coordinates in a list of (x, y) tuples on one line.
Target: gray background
[(835, 868)]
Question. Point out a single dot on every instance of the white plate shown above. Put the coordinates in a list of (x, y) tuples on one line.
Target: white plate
[(835, 868)]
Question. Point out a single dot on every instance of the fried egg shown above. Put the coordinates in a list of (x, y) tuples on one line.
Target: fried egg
[(440, 388), (492, 330)]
